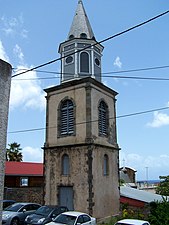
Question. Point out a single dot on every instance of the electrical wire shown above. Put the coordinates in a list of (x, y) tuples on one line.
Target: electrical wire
[(103, 74), (104, 40), (92, 121)]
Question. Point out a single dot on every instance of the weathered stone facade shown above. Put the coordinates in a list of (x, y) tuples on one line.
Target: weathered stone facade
[(5, 82), (81, 153), (93, 192)]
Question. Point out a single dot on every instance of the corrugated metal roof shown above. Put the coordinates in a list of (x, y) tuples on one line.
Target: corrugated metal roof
[(140, 195), (23, 169)]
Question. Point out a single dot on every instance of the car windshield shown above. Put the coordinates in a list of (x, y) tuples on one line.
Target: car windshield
[(14, 207), (44, 210), (65, 219)]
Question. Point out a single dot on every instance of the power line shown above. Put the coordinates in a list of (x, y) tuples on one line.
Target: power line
[(104, 40), (117, 117), (104, 74)]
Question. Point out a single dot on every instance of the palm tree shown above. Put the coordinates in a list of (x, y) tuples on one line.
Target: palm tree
[(13, 152)]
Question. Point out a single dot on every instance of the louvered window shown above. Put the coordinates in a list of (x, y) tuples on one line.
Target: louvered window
[(67, 118), (103, 118)]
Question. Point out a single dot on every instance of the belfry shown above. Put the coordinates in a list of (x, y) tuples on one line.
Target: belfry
[(81, 154)]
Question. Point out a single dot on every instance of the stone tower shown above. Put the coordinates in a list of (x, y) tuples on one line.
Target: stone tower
[(81, 153), (5, 83)]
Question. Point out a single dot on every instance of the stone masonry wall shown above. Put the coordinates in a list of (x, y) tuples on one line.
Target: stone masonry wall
[(26, 194), (5, 82)]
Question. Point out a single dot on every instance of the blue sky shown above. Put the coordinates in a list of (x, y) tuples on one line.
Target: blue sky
[(30, 34)]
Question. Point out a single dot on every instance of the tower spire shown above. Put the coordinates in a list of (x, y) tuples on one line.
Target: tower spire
[(81, 27)]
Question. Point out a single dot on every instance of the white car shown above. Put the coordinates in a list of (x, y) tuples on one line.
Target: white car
[(132, 222), (72, 218)]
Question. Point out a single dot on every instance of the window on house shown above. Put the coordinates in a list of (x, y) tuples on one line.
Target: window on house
[(103, 118), (65, 165), (24, 181), (106, 165), (67, 118), (84, 62)]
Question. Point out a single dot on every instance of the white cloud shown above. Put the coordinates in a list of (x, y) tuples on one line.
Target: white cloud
[(117, 62), (26, 92), (13, 26), (32, 154), (19, 54), (3, 54), (160, 119)]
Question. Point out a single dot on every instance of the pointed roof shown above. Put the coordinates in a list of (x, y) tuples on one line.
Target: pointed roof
[(80, 24)]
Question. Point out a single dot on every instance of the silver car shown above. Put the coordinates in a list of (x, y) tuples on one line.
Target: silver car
[(16, 213)]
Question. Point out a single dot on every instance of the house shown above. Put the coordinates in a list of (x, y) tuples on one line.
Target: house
[(81, 154), (137, 198), (24, 181), (128, 176)]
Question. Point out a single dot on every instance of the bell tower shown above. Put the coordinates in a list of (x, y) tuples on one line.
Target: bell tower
[(81, 55), (81, 154)]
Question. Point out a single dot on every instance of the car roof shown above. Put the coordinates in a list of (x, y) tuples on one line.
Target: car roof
[(132, 221), (8, 201), (74, 213), (26, 203), (53, 206)]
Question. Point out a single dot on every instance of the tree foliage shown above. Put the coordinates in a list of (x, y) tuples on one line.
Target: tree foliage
[(13, 153), (163, 188), (159, 212)]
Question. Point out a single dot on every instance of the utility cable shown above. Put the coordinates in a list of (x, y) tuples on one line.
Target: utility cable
[(92, 121), (104, 74), (104, 40)]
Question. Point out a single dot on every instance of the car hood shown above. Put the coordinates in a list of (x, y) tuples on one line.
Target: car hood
[(36, 217), (10, 213), (4, 212)]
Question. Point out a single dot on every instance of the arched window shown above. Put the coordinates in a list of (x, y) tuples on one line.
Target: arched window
[(65, 165), (67, 118), (106, 165), (103, 118), (84, 62)]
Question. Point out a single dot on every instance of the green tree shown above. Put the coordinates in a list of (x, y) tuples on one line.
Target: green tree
[(13, 153), (159, 212), (163, 188)]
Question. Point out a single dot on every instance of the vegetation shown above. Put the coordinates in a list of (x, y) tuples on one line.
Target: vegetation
[(13, 153), (156, 213), (163, 188), (159, 213)]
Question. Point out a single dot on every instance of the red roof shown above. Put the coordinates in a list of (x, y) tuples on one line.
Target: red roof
[(23, 169)]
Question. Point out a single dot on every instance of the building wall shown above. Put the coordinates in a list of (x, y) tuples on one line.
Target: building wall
[(25, 194), (5, 83), (86, 105), (94, 193)]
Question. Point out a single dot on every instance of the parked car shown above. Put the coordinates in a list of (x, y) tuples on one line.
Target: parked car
[(72, 218), (7, 203), (132, 222), (45, 214), (16, 213)]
